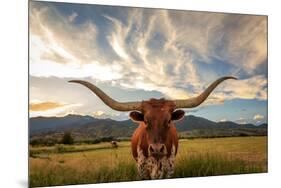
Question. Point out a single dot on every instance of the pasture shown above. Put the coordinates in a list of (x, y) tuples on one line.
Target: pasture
[(83, 164)]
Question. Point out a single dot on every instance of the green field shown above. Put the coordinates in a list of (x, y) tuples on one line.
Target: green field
[(79, 164)]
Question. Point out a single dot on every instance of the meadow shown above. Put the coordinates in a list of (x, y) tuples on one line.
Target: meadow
[(96, 163)]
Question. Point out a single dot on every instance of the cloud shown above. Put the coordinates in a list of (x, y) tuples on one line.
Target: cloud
[(94, 70), (173, 52), (49, 108), (53, 56), (150, 68), (251, 88), (98, 113), (116, 39), (247, 45), (51, 32), (42, 106), (112, 115), (178, 75), (242, 120), (118, 49), (223, 120), (258, 117), (189, 111), (72, 17), (182, 52)]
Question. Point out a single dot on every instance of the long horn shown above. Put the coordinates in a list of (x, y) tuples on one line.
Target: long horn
[(119, 106), (195, 101)]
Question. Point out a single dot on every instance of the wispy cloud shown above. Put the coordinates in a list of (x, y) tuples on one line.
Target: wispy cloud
[(247, 45), (223, 120), (242, 120), (42, 106), (258, 117), (72, 17), (51, 108), (158, 49), (53, 32), (177, 53), (251, 88), (98, 113)]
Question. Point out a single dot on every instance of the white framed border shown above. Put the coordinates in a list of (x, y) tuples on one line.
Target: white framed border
[(14, 91)]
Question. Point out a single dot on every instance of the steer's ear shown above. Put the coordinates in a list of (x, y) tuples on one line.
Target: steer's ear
[(136, 116), (177, 115)]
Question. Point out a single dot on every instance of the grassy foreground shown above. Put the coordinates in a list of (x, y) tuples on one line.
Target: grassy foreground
[(81, 164)]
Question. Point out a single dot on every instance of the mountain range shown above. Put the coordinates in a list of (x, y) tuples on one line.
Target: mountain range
[(88, 127)]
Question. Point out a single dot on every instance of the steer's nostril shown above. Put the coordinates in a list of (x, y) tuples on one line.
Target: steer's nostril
[(151, 149), (162, 149)]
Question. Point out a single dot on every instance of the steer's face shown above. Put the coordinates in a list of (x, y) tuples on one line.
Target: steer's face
[(157, 116)]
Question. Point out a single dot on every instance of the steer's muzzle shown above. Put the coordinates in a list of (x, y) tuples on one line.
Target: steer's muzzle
[(157, 150)]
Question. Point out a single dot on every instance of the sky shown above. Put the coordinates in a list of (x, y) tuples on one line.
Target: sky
[(135, 54)]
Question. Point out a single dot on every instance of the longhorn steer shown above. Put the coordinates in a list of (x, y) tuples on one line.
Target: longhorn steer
[(114, 144), (155, 142)]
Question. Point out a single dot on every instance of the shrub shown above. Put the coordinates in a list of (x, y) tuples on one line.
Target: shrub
[(67, 138)]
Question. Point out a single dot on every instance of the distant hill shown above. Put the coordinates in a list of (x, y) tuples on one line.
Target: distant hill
[(45, 124), (87, 127)]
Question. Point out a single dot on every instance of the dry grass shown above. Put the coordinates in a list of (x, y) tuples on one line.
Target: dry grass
[(101, 163)]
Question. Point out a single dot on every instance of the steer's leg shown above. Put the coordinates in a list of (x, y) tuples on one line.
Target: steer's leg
[(142, 165), (163, 165), (153, 167), (171, 163)]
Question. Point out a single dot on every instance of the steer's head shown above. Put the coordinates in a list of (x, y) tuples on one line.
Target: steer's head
[(156, 115)]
